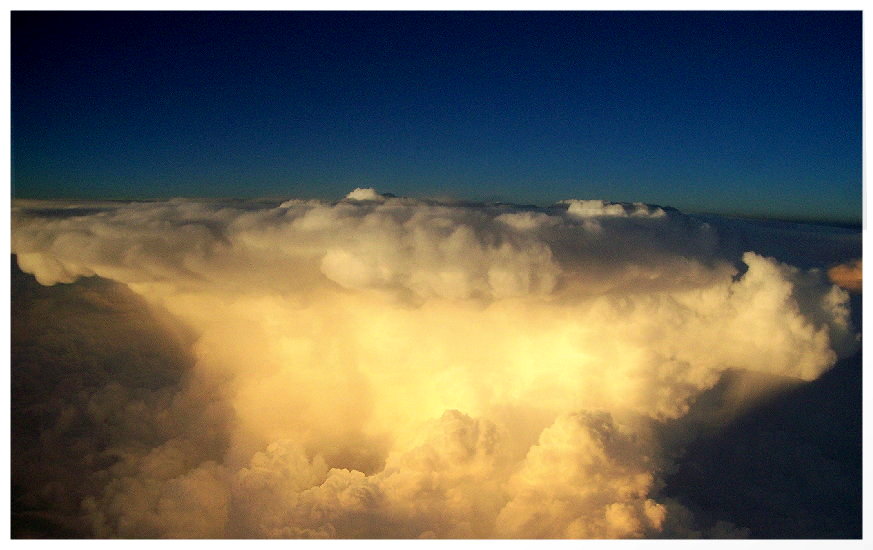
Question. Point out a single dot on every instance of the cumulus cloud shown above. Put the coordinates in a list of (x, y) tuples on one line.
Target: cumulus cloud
[(601, 492), (388, 367), (365, 194), (599, 208), (847, 275)]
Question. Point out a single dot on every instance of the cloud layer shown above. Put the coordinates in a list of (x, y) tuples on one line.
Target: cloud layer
[(391, 367)]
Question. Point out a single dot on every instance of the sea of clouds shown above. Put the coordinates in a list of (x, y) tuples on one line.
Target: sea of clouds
[(391, 367)]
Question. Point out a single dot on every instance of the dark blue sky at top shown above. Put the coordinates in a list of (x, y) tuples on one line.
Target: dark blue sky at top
[(753, 113)]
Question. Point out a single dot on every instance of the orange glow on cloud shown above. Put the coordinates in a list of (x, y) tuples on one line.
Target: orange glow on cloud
[(399, 368), (847, 276)]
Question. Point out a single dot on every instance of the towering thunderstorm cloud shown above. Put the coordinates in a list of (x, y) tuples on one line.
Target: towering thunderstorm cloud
[(390, 367)]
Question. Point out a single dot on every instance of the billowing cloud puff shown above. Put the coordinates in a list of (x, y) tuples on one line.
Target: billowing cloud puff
[(365, 194), (848, 275), (598, 208), (601, 492), (389, 367)]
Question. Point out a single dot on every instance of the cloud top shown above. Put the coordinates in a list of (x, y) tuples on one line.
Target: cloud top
[(365, 194)]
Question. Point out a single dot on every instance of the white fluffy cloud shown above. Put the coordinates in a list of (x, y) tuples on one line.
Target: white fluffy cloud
[(411, 368)]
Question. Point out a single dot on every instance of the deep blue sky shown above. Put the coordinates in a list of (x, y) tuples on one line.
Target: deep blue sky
[(754, 113)]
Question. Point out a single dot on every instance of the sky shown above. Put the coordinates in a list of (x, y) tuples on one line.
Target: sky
[(728, 112)]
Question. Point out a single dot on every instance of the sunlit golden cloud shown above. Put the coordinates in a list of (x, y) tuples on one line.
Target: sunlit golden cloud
[(387, 367), (847, 275)]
